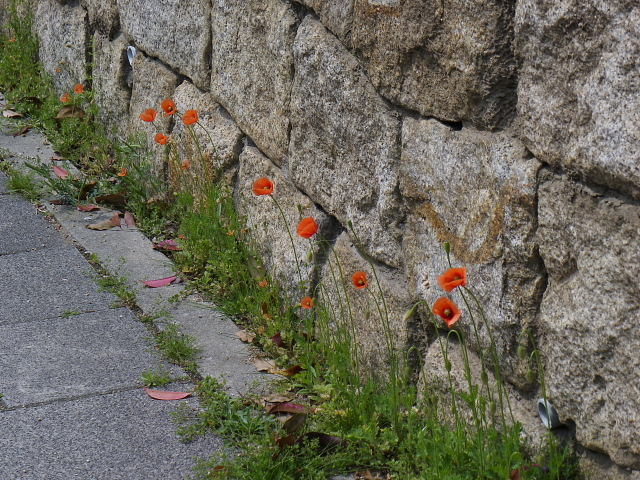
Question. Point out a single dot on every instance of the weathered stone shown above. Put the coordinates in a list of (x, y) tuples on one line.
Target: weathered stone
[(363, 314), (597, 465), (178, 32), (578, 99), (344, 146), (152, 83), (219, 138), (336, 15), (103, 15), (110, 71), (434, 379), (252, 68), (452, 62), (267, 225), (476, 191), (590, 314), (63, 42)]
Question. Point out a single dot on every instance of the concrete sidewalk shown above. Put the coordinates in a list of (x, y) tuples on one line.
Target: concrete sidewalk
[(72, 405)]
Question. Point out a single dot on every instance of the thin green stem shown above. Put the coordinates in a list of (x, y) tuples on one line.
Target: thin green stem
[(293, 245)]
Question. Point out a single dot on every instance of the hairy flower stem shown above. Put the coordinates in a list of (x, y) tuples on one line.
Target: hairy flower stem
[(293, 245)]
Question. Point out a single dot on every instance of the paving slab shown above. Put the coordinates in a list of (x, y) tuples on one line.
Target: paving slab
[(124, 252), (69, 357), (47, 283), (31, 145), (129, 254), (124, 435), (22, 229)]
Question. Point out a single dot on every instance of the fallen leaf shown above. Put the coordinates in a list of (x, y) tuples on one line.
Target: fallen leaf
[(169, 244), (261, 330), (278, 398), (115, 199), (58, 201), (128, 220), (86, 188), (88, 208), (60, 172), (295, 423), (166, 395), (289, 408), (325, 441), (11, 114), (515, 474), (22, 131), (263, 365), (287, 441), (277, 339), (106, 224), (69, 111), (34, 100), (246, 336), (57, 158), (289, 372), (163, 282)]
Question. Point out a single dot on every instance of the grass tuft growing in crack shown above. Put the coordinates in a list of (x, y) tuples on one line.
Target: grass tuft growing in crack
[(178, 347)]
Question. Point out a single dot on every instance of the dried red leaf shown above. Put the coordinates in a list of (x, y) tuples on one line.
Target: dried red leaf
[(88, 208), (515, 474), (22, 131), (295, 423), (162, 282), (169, 244), (114, 221), (128, 219), (60, 172), (277, 339), (86, 188), (166, 395), (287, 441), (289, 408)]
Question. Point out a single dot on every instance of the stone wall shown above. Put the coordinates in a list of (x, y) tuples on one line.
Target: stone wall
[(508, 128)]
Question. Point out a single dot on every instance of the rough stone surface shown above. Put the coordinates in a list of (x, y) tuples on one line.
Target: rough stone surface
[(178, 32), (61, 29), (22, 229), (221, 139), (434, 379), (450, 60), (120, 435), (60, 358), (476, 191), (152, 83), (4, 183), (38, 293), (267, 228), (589, 319), (597, 465), (110, 72), (344, 148), (578, 97), (252, 68), (368, 323), (103, 15)]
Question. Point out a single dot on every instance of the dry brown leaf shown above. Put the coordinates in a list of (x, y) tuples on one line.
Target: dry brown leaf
[(289, 372), (11, 114), (295, 423), (22, 131), (128, 220), (246, 336), (278, 398), (265, 365), (70, 111), (114, 221), (261, 330)]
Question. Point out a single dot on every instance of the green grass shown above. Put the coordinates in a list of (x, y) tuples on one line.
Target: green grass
[(155, 378), (178, 347), (24, 184), (70, 313), (119, 287)]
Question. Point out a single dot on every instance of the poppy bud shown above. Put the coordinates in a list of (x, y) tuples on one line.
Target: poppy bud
[(447, 247)]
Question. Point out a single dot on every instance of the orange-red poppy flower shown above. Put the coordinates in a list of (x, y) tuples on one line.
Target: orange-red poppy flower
[(65, 98), (190, 117), (78, 88), (169, 106), (149, 115), (447, 310), (263, 283), (452, 278), (307, 227), (307, 302), (123, 172), (263, 186), (186, 165), (161, 138), (359, 280)]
